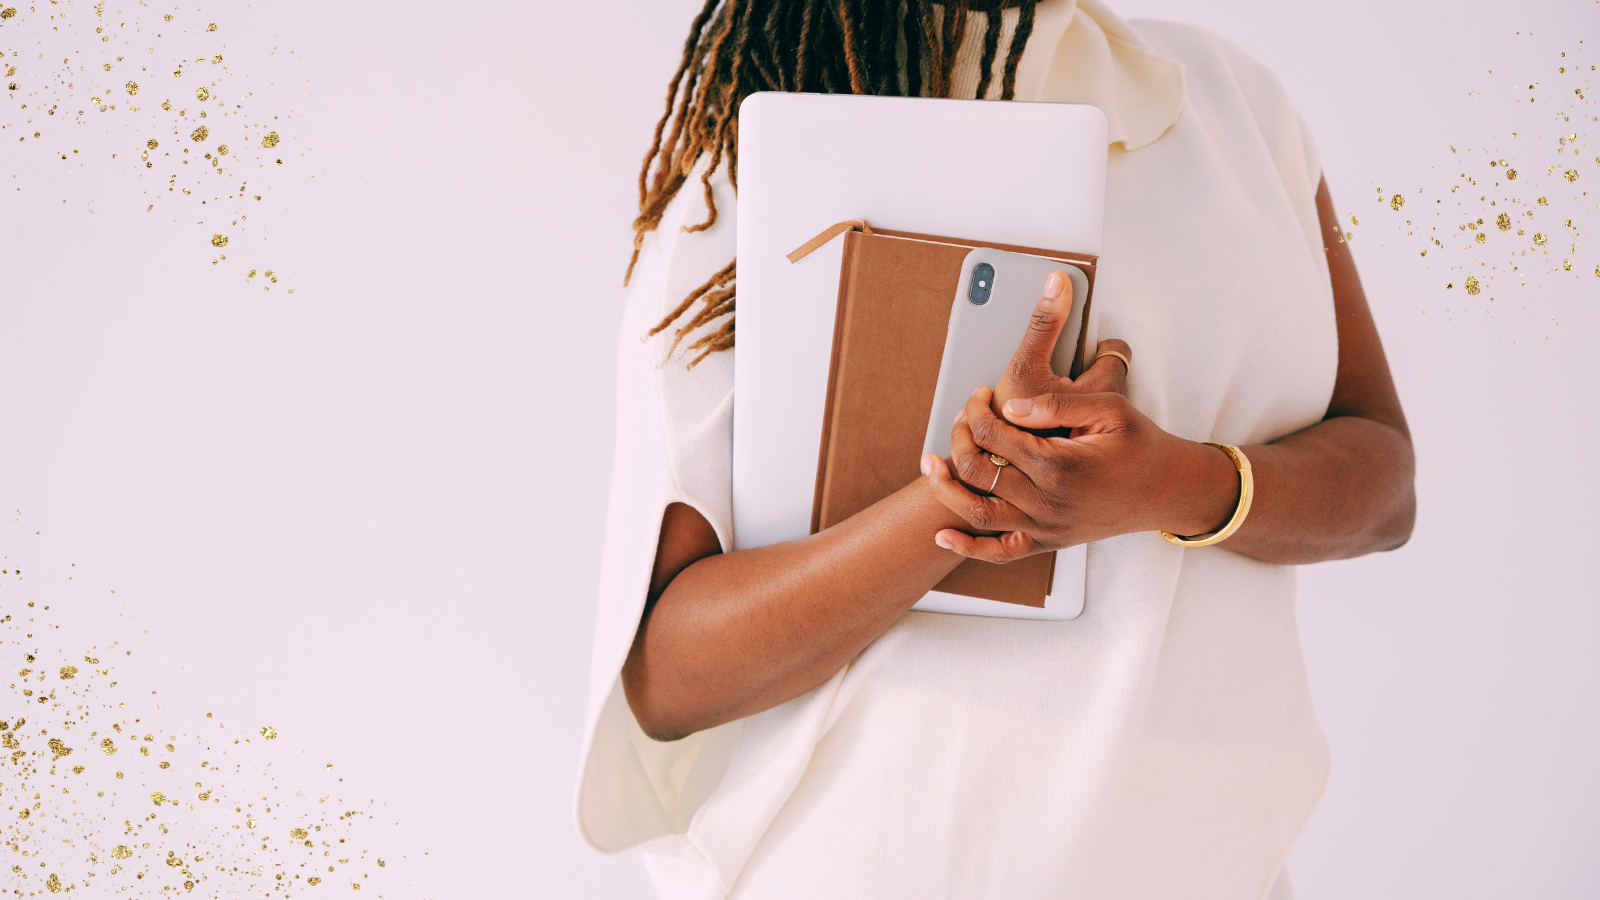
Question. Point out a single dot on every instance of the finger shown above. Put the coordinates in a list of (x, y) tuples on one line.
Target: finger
[(1012, 545), (1108, 373), (992, 434), (1095, 412), (1032, 359), (973, 466), (982, 513)]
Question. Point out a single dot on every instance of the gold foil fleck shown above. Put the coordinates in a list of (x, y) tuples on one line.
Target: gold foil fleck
[(1542, 201), (1566, 264), (1540, 238), (211, 27), (249, 823), (1354, 220), (59, 748), (1472, 285), (313, 881), (219, 240), (8, 12), (77, 770), (1396, 202), (1570, 174), (1511, 174), (132, 87), (69, 672), (167, 17), (166, 104), (202, 94), (270, 141), (121, 851), (1503, 221), (152, 143), (204, 796), (216, 59), (53, 883), (165, 765), (174, 861), (223, 150), (157, 797), (269, 732), (200, 134), (1482, 237), (107, 746)]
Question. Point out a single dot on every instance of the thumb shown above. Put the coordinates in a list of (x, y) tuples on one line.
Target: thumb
[(1099, 412), (1044, 327)]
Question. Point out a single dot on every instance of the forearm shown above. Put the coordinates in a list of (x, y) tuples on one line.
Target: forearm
[(1336, 490), (738, 633)]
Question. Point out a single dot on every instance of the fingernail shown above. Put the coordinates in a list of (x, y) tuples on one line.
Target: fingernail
[(927, 467), (941, 541), (1052, 286), (1019, 407), (960, 414)]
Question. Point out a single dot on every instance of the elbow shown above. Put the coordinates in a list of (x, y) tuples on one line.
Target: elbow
[(658, 716), (1401, 523)]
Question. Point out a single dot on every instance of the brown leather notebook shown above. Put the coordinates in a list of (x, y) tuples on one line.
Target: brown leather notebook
[(895, 292)]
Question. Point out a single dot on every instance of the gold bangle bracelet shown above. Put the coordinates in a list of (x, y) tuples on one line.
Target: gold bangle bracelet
[(1247, 492)]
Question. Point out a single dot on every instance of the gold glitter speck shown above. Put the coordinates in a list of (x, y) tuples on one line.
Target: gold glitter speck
[(107, 746), (223, 150), (200, 134), (1570, 175), (174, 861), (219, 240), (69, 672), (313, 880), (1511, 174), (120, 851), (270, 141), (298, 834), (77, 770), (269, 732), (1354, 221), (132, 87), (152, 144), (1542, 201), (202, 94), (1472, 285), (59, 748), (216, 59), (249, 823), (211, 27), (157, 797), (1539, 238), (166, 104), (1396, 202), (1482, 237), (54, 884), (8, 12), (1503, 221)]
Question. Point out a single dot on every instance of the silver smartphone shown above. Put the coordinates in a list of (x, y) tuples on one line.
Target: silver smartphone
[(994, 300)]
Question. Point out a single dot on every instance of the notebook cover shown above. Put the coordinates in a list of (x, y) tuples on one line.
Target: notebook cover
[(895, 290)]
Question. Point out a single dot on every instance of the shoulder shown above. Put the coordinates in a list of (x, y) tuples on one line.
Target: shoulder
[(1209, 58), (1228, 90)]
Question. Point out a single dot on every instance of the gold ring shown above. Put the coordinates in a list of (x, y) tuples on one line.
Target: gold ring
[(1126, 365), (1000, 462)]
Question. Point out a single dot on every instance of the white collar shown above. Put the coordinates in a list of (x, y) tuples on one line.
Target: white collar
[(1082, 52)]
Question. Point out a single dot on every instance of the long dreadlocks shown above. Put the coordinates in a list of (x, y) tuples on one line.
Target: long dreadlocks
[(737, 47)]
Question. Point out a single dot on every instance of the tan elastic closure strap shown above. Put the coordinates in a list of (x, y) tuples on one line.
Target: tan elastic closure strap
[(833, 231)]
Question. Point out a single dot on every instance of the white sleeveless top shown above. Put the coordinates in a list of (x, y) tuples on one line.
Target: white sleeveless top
[(1161, 745)]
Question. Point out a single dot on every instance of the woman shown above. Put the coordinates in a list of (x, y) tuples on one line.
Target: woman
[(773, 722)]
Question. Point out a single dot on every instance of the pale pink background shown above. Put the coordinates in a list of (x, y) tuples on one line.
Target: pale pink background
[(369, 513)]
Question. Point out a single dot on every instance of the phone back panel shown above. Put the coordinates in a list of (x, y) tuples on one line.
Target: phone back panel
[(982, 338)]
